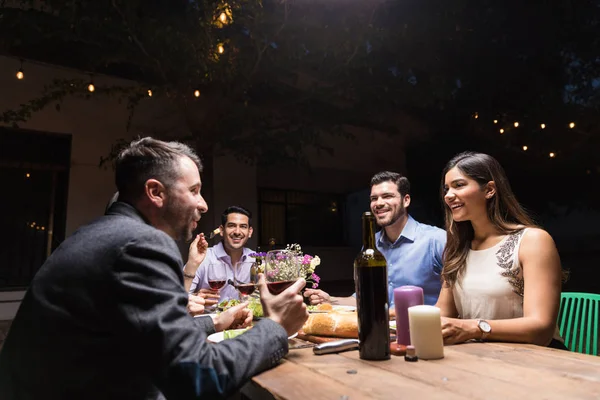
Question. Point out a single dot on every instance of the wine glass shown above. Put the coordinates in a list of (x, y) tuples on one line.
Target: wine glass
[(217, 275), (243, 280), (282, 269)]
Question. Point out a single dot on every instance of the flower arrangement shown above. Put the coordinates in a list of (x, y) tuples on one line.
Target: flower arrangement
[(260, 260), (288, 261)]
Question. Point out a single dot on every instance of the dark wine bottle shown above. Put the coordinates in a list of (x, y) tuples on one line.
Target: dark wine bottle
[(370, 279)]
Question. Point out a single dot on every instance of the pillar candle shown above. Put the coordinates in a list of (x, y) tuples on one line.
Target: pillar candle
[(426, 332), (404, 297)]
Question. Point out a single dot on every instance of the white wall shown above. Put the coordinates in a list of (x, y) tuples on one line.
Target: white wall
[(94, 125)]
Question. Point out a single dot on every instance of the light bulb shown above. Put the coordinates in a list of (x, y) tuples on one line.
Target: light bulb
[(501, 131), (20, 74), (197, 93), (525, 148), (572, 125), (516, 124), (543, 126), (150, 92), (91, 87), (27, 175), (495, 121), (552, 155), (223, 17), (221, 49)]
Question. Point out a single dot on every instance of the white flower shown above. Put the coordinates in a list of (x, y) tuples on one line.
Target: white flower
[(316, 261)]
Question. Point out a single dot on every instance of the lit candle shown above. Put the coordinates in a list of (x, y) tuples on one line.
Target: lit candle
[(404, 297), (426, 332)]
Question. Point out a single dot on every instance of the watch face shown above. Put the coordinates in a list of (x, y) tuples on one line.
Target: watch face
[(484, 326)]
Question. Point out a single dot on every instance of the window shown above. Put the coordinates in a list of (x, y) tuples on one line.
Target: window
[(35, 170), (306, 218)]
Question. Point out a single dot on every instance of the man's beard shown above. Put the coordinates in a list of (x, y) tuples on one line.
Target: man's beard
[(174, 213), (400, 212)]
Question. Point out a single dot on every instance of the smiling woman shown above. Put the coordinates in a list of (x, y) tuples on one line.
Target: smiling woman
[(502, 274)]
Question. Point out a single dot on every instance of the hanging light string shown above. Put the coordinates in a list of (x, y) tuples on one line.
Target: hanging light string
[(504, 125), (91, 85)]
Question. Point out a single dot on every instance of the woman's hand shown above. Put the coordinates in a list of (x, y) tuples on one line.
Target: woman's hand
[(317, 296), (195, 305), (456, 330), (236, 317), (211, 297)]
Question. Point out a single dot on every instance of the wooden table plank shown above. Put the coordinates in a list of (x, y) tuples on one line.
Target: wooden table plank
[(292, 381), (551, 362), (472, 371), (374, 382), (480, 379)]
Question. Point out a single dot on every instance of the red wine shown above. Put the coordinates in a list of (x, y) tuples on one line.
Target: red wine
[(216, 285), (246, 288), (370, 279), (278, 287)]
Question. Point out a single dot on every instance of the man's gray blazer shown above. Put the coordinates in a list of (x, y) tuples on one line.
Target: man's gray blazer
[(105, 318)]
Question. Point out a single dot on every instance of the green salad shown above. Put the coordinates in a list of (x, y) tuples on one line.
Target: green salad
[(225, 304), (253, 304), (256, 307), (231, 333)]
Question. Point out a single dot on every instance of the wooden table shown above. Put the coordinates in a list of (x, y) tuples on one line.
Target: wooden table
[(468, 371)]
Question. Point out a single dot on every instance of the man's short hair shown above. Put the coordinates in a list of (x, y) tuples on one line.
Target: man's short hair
[(149, 158), (236, 210), (387, 176)]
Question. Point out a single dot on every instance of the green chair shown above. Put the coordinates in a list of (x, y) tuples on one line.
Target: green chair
[(578, 321)]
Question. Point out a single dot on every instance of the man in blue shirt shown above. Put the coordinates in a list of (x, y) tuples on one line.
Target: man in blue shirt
[(413, 251)]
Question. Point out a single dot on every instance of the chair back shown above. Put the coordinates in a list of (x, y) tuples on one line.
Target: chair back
[(578, 321)]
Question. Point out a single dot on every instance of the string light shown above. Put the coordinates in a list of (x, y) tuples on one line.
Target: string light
[(221, 49), (552, 155), (197, 93), (572, 125), (525, 148), (516, 124), (223, 17), (27, 175), (20, 74), (543, 126), (501, 131), (149, 92), (495, 121)]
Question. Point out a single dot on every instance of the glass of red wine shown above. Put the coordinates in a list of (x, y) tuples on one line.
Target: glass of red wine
[(217, 275), (243, 280), (282, 269)]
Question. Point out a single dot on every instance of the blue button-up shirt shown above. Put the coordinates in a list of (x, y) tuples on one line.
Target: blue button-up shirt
[(217, 254), (415, 258)]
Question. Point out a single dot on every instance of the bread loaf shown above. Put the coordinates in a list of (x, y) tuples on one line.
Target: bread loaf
[(335, 324)]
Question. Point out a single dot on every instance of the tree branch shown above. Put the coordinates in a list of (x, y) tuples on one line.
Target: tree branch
[(266, 46), (137, 40)]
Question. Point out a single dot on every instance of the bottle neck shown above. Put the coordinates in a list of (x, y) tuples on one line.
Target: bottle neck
[(368, 232)]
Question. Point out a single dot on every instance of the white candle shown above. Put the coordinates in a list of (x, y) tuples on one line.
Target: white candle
[(426, 332)]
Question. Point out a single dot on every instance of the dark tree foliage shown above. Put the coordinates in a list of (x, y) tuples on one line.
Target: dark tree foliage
[(278, 74)]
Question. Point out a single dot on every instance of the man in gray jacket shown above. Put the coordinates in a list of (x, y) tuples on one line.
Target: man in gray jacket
[(105, 317)]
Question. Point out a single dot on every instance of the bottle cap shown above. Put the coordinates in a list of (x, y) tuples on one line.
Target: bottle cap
[(411, 354)]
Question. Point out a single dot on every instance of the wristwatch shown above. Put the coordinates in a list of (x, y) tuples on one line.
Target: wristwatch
[(485, 328)]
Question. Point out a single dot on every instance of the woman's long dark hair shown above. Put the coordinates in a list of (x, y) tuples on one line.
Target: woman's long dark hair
[(503, 210)]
